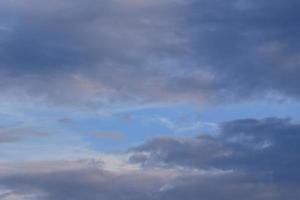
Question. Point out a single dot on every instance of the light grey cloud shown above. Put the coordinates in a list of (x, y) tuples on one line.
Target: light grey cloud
[(14, 134), (112, 135)]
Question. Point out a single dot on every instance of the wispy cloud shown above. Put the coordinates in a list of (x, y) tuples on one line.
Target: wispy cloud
[(107, 135), (13, 134)]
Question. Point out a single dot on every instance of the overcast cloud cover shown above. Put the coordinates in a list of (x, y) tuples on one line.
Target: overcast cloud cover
[(96, 53), (80, 77)]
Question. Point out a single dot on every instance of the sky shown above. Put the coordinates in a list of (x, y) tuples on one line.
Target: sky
[(149, 100)]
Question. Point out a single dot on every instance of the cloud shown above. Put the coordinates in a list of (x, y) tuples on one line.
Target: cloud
[(88, 52), (14, 134), (107, 135), (182, 126), (253, 159), (267, 147), (97, 54), (79, 180), (251, 49)]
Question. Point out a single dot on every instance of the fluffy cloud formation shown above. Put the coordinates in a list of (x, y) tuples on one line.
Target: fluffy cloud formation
[(248, 159), (115, 52)]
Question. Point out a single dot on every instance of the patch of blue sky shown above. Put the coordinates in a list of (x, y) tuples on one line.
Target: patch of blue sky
[(71, 130), (133, 131)]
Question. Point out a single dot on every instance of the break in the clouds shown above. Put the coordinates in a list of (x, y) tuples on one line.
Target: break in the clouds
[(100, 53), (249, 159)]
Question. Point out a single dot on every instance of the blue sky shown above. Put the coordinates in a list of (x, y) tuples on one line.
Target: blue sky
[(118, 130), (173, 98)]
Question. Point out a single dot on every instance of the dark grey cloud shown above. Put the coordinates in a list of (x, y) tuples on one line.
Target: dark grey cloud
[(91, 184), (250, 45), (268, 148), (110, 52), (87, 182), (88, 52)]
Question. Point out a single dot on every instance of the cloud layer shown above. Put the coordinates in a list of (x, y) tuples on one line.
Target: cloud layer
[(95, 53), (249, 159), (115, 54)]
